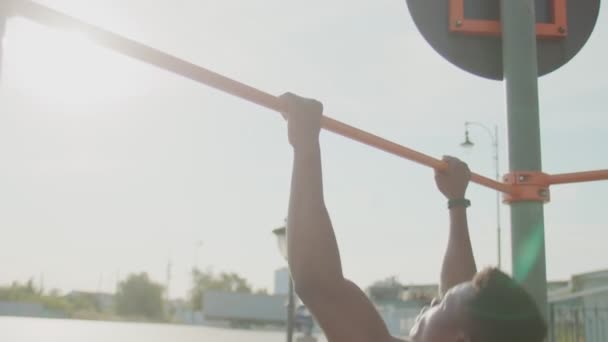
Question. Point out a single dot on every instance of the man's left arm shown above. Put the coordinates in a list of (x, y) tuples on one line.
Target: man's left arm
[(458, 262)]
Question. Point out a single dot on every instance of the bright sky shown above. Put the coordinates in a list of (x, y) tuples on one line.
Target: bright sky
[(111, 166)]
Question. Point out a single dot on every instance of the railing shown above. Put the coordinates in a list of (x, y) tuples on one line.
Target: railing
[(577, 324)]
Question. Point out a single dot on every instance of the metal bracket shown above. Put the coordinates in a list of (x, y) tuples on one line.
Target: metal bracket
[(527, 186), (478, 27)]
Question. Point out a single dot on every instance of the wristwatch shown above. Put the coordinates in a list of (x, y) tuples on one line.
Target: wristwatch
[(460, 202)]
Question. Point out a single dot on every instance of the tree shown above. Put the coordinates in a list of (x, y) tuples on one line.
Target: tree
[(139, 297), (206, 281), (21, 293), (28, 293)]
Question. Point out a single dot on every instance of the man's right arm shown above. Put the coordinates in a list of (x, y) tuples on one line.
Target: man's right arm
[(341, 308), (458, 262)]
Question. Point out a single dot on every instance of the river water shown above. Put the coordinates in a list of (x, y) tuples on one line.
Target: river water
[(58, 330)]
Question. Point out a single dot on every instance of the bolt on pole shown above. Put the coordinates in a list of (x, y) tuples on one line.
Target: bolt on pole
[(521, 83)]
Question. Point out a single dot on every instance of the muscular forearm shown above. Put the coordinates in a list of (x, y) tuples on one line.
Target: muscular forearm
[(458, 262), (314, 259)]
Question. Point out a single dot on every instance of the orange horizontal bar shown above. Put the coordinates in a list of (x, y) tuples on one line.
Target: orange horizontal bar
[(404, 152), (199, 74), (578, 177)]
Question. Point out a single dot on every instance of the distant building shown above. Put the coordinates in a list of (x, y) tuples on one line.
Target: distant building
[(245, 308), (584, 286), (424, 292), (580, 309), (22, 309), (281, 281), (399, 304)]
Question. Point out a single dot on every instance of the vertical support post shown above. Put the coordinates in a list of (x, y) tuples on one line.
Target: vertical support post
[(498, 195), (521, 80), (3, 19), (168, 286), (551, 323), (290, 311)]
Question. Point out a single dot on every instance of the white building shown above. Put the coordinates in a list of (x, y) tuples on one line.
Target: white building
[(579, 311), (281, 281), (244, 307)]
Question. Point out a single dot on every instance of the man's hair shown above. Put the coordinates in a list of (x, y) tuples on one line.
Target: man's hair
[(502, 311)]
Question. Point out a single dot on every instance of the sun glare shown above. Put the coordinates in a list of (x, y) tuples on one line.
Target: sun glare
[(65, 67)]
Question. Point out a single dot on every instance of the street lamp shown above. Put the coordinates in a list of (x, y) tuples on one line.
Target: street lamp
[(494, 139), (199, 244), (2, 30), (281, 234), (467, 143)]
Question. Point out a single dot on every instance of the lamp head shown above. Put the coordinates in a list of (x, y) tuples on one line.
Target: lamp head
[(467, 141), (281, 234)]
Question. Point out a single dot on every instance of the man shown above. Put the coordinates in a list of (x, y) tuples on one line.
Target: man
[(475, 307)]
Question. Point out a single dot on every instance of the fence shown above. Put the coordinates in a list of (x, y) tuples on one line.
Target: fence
[(577, 324)]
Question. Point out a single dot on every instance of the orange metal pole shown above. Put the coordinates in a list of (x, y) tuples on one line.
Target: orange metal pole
[(404, 152), (578, 177), (199, 74)]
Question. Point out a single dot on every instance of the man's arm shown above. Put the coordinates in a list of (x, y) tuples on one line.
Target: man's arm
[(458, 261), (342, 309)]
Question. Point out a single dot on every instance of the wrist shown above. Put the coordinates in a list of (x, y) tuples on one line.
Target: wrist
[(455, 195), (306, 148)]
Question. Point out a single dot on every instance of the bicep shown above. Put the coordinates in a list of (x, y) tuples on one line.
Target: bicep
[(346, 314)]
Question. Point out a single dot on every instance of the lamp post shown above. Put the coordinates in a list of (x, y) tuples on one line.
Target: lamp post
[(3, 18), (197, 249), (494, 139), (281, 234)]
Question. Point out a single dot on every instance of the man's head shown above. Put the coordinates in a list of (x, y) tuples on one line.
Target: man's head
[(490, 308)]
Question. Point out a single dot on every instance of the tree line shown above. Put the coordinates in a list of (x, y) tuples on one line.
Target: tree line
[(137, 297)]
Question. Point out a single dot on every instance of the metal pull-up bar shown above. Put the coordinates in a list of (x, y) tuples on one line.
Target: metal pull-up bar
[(149, 55)]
